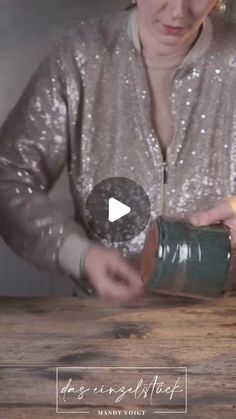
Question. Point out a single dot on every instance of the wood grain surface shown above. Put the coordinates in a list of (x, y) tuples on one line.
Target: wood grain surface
[(39, 334)]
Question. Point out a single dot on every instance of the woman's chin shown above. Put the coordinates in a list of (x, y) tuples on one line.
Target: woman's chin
[(169, 40)]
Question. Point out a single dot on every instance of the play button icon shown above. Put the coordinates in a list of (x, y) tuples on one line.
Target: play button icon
[(117, 209)]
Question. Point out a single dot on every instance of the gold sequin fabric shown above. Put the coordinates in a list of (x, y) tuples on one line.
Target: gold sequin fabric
[(89, 107)]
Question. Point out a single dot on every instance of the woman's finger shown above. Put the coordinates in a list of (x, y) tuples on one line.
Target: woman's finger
[(223, 211), (117, 291), (123, 271)]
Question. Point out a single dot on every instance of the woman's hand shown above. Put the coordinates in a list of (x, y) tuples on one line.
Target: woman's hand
[(224, 212), (111, 276)]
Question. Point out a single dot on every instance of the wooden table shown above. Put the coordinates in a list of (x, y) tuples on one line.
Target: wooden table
[(39, 334)]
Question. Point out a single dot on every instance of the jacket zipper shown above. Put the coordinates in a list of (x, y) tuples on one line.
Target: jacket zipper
[(165, 169), (165, 166)]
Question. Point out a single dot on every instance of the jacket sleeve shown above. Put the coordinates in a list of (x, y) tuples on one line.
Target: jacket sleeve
[(33, 152)]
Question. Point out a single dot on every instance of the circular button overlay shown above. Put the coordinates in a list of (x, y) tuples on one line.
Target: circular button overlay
[(117, 209)]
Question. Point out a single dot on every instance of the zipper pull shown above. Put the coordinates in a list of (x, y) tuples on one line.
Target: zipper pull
[(165, 173), (164, 188)]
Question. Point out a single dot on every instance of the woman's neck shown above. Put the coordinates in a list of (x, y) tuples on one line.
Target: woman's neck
[(189, 52), (167, 55)]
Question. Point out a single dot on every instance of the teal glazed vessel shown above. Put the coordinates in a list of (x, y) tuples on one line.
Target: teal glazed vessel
[(182, 258)]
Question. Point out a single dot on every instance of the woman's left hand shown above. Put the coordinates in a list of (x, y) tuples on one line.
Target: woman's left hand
[(224, 212)]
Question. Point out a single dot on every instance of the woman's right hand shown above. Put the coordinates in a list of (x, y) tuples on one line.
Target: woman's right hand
[(111, 276)]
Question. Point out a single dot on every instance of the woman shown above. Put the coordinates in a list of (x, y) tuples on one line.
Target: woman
[(146, 94)]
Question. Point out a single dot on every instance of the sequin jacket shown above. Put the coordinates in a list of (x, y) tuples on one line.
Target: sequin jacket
[(88, 106)]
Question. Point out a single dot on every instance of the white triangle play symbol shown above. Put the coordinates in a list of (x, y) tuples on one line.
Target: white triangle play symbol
[(117, 210)]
